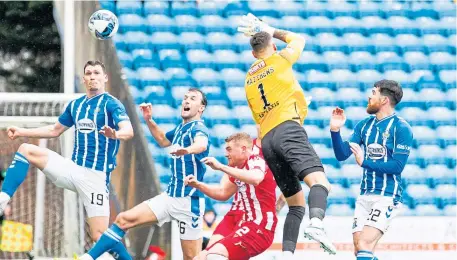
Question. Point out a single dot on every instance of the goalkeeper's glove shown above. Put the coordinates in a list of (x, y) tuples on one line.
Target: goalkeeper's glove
[(251, 25)]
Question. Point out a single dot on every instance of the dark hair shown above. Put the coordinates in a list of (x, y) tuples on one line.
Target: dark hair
[(260, 41), (95, 63), (204, 100), (390, 89)]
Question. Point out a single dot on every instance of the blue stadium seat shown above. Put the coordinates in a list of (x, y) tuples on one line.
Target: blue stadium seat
[(296, 24), (125, 58), (397, 75), (448, 78), (319, 24), (145, 58), (247, 58), (132, 77), (362, 60), (384, 42), (263, 8), (339, 195), (150, 76), (450, 210), (290, 9), (222, 131), (444, 8), (216, 96), (129, 7), (210, 8), (396, 9), (442, 115), (236, 8), (160, 23), (423, 10), (428, 25), (244, 114), (358, 42), (450, 150), (431, 154), (330, 42), (215, 23), (233, 77), (192, 40), (108, 5), (156, 7), (227, 59), (446, 193), (200, 59), (351, 96), (342, 9), (375, 24), (172, 58), (136, 40), (322, 96), (187, 23), (417, 60), (415, 116), (354, 189), (183, 8), (241, 42), (237, 96), (409, 42), (440, 174), (353, 174), (165, 115), (344, 78), (400, 25), (157, 94), (176, 76), (370, 9), (249, 129), (132, 22), (119, 42), (208, 77), (437, 43), (340, 210), (448, 25), (442, 61), (356, 113), (333, 175), (178, 93), (335, 60), (315, 9), (348, 24), (420, 194), (447, 133), (413, 174), (310, 60), (164, 40), (217, 41), (427, 210), (424, 135), (368, 77), (137, 94)]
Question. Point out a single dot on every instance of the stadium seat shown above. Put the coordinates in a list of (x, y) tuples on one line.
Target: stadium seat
[(342, 9), (424, 135), (440, 174), (428, 25), (237, 96), (157, 94), (132, 22), (172, 58), (444, 8), (210, 8), (296, 24), (249, 129), (219, 114), (217, 41), (205, 76), (227, 59), (417, 60), (343, 78), (165, 114), (402, 25), (233, 77), (160, 23), (420, 194), (358, 42), (164, 40), (214, 23), (125, 58), (409, 42), (330, 42), (151, 76), (183, 8), (243, 114), (129, 7), (136, 40), (156, 7), (192, 40), (446, 193), (310, 60), (222, 131), (423, 10), (437, 43), (442, 61), (427, 210), (339, 195), (413, 174), (315, 8), (145, 58), (375, 24), (368, 77), (319, 24), (340, 210), (263, 8), (200, 59), (335, 60), (450, 210), (442, 115), (290, 9), (187, 23), (368, 9)]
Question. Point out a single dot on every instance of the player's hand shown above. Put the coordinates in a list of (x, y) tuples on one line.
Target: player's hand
[(14, 132), (108, 132), (358, 153), (251, 25), (213, 163), (337, 120), (191, 181), (146, 110), (179, 151)]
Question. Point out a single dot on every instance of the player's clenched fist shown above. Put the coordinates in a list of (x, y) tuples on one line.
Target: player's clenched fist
[(13, 132), (191, 181), (146, 110), (212, 162)]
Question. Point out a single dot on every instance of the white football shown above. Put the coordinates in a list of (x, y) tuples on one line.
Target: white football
[(103, 24)]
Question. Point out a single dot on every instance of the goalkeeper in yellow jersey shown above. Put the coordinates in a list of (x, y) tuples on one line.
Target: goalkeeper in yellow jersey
[(278, 104)]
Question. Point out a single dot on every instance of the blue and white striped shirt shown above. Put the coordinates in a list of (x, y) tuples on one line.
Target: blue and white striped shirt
[(386, 140), (190, 164), (89, 115)]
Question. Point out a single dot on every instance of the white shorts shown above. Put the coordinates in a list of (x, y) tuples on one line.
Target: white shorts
[(91, 185), (375, 211), (188, 211)]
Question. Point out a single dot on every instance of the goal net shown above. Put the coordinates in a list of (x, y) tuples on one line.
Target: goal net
[(56, 215)]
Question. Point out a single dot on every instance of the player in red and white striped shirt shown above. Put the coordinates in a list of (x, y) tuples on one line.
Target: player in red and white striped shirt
[(255, 186)]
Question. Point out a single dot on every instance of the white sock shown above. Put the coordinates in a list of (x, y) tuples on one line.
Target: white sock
[(4, 197), (86, 257), (286, 254), (315, 222)]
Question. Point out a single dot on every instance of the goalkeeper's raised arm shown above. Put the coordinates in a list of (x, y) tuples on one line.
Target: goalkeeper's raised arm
[(250, 25)]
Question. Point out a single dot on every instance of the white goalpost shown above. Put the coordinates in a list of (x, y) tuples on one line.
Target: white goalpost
[(57, 215)]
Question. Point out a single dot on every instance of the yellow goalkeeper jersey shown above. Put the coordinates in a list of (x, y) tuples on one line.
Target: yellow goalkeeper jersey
[(273, 93)]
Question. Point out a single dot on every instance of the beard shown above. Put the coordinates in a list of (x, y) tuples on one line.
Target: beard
[(372, 109)]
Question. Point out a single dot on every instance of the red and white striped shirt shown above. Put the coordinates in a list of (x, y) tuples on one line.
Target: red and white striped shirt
[(258, 202)]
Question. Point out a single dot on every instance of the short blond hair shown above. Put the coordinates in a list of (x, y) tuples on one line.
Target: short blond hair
[(237, 137)]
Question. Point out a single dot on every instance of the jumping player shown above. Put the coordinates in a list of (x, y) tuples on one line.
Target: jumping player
[(387, 139), (100, 123), (279, 105), (255, 187), (190, 143)]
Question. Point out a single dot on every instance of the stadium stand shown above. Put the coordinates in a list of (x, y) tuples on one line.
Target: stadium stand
[(166, 48)]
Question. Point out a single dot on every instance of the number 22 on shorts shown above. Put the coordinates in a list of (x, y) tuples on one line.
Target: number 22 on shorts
[(242, 231)]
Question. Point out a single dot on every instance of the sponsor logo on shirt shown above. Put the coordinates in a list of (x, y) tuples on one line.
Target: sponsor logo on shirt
[(256, 67), (403, 147), (376, 151), (85, 126)]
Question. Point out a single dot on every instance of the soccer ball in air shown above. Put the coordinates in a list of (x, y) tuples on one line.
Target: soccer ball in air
[(103, 24)]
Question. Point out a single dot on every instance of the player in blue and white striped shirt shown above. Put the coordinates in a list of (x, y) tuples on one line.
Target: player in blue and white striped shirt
[(387, 139), (100, 123), (189, 143)]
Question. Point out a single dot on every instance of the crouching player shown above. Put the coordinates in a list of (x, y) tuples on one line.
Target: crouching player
[(253, 182)]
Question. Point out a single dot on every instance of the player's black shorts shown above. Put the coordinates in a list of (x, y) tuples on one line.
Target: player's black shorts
[(290, 156)]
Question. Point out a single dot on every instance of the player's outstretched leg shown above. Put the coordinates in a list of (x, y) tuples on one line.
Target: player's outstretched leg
[(17, 172), (110, 240), (317, 200)]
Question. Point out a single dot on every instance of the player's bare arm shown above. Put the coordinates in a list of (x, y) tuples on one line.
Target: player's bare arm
[(124, 133), (221, 192), (156, 131), (254, 177), (49, 131)]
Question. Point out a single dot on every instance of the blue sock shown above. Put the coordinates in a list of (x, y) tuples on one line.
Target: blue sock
[(15, 174), (119, 252), (110, 238), (365, 255)]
